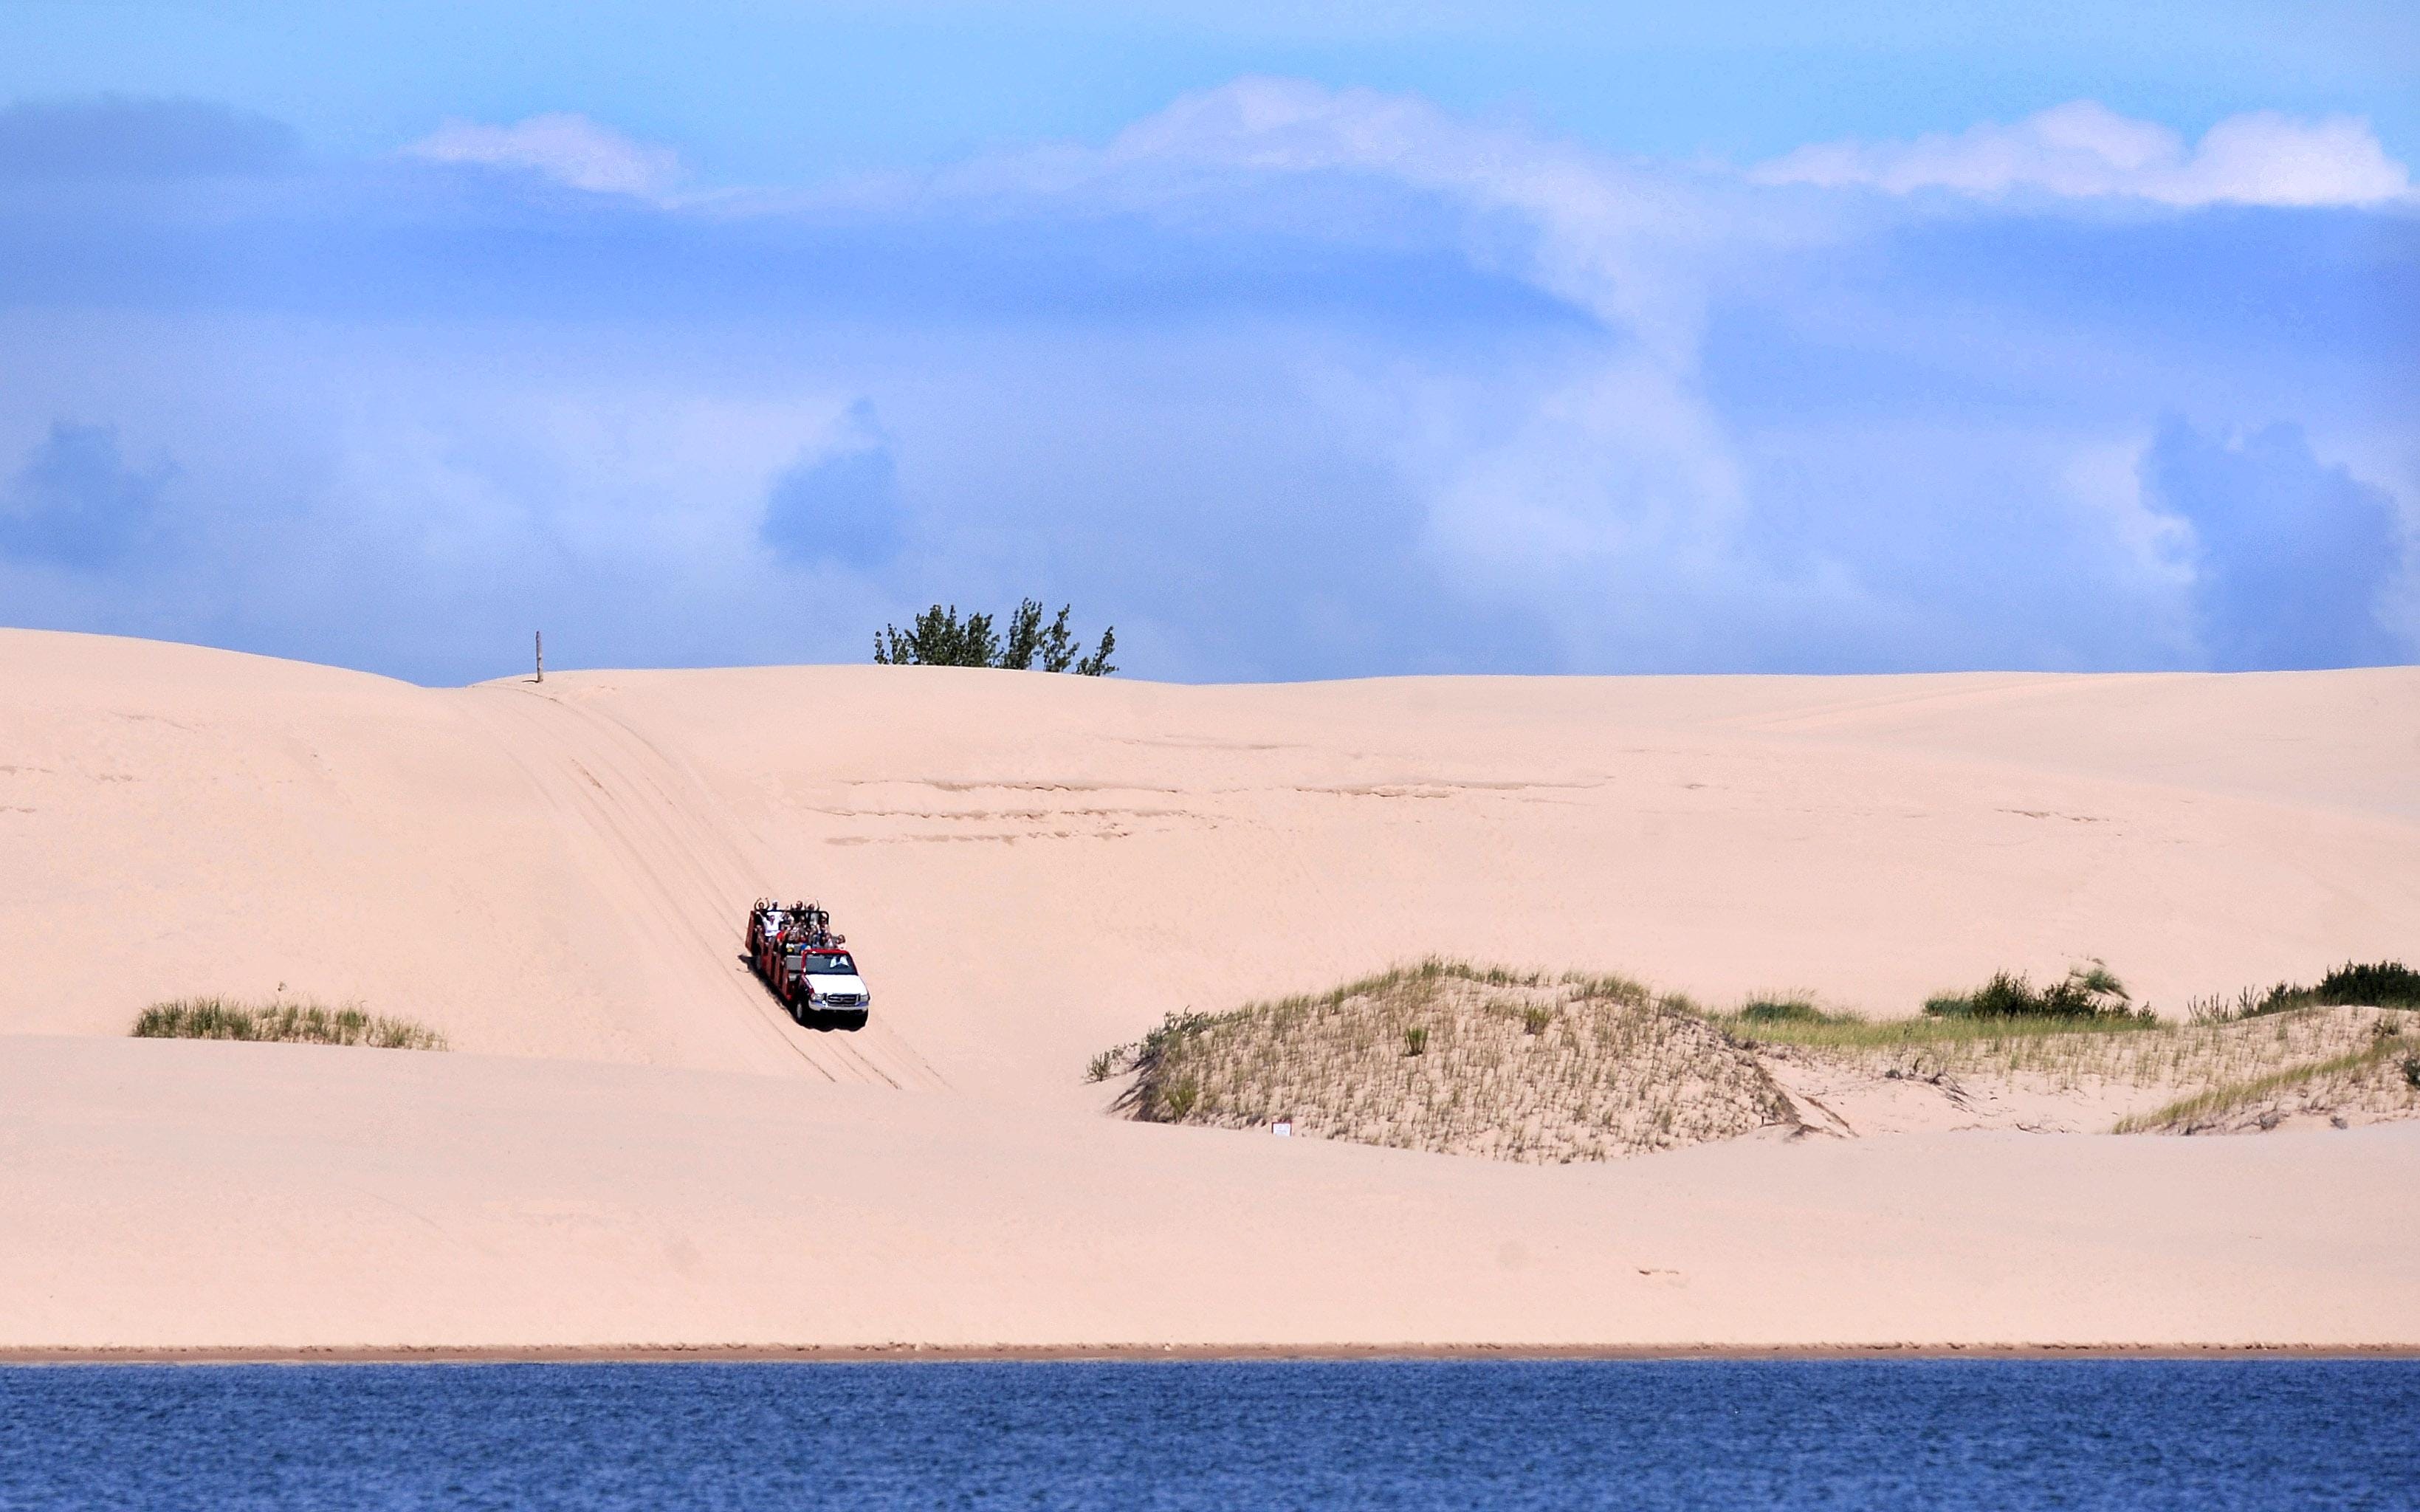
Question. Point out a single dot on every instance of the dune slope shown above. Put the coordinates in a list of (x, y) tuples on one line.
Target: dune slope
[(631, 1144), (1036, 867)]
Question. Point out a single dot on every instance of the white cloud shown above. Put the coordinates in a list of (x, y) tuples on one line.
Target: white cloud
[(1317, 432), (1616, 461), (568, 149), (1607, 239), (2086, 149)]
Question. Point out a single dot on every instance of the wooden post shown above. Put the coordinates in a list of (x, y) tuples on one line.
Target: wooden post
[(539, 637)]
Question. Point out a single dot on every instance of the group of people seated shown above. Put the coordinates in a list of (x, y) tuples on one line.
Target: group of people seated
[(803, 924)]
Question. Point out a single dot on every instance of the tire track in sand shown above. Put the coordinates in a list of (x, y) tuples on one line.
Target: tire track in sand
[(678, 876)]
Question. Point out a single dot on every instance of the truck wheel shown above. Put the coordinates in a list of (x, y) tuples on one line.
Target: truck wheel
[(855, 1020)]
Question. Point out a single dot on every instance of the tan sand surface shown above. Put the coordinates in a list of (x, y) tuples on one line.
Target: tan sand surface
[(201, 1194), (1035, 867)]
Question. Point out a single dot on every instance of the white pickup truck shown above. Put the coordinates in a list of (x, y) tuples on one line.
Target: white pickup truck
[(822, 982), (795, 952)]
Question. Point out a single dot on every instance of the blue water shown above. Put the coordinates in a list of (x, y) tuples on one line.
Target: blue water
[(2273, 1435)]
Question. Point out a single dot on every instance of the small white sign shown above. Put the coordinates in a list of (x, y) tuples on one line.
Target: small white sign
[(1284, 1129)]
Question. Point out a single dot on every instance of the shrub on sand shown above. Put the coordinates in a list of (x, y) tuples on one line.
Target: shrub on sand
[(1784, 1010), (2087, 991), (2384, 983)]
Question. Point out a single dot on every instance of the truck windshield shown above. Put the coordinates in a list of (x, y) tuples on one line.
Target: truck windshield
[(837, 964)]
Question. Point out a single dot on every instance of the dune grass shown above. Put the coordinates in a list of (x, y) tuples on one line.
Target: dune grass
[(304, 1023), (1453, 1056), (2212, 1106), (2071, 1054), (2089, 1056), (2089, 1000), (1849, 1031), (2086, 1032), (1528, 1066)]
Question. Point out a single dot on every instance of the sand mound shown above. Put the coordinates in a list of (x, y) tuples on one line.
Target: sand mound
[(1462, 1060), (1863, 1078), (1525, 1067), (2367, 1083)]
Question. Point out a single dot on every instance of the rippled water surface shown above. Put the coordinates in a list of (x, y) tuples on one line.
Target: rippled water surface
[(2272, 1435)]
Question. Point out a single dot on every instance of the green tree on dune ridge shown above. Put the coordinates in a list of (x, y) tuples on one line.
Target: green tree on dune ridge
[(937, 637)]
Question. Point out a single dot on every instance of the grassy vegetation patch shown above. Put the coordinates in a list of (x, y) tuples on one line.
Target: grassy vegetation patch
[(307, 1023), (2077, 1055), (1525, 1065), (1449, 1056), (1851, 1032), (2339, 1080)]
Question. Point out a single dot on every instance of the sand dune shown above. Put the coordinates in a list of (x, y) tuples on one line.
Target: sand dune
[(349, 1198), (1035, 867)]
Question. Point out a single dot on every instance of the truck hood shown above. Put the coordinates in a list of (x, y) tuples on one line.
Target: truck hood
[(825, 986)]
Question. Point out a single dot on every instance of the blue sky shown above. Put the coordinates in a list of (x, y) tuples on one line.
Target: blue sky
[(1299, 341)]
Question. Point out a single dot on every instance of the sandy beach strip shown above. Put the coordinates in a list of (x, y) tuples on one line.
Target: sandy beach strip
[(264, 1200)]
